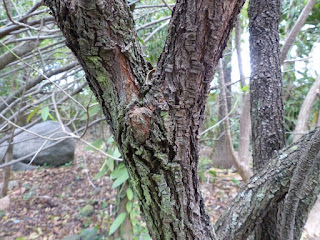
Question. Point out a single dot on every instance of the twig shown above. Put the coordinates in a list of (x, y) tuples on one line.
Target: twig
[(167, 5)]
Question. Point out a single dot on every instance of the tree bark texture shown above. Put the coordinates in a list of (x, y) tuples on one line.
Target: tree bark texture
[(155, 120), (268, 133), (292, 176)]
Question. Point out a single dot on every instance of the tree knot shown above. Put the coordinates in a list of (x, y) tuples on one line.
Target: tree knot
[(140, 121)]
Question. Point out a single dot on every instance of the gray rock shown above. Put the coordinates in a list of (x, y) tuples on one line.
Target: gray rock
[(22, 167), (26, 143), (11, 185)]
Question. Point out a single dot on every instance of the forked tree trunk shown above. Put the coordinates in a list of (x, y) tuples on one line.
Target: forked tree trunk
[(293, 175), (157, 124)]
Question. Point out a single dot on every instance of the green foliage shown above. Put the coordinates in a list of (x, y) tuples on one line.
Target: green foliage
[(117, 222), (143, 16), (120, 175), (99, 143), (129, 194)]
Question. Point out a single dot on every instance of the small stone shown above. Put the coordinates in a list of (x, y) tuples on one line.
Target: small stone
[(11, 185), (4, 203)]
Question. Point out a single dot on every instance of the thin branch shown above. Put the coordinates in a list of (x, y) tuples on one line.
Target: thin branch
[(295, 30), (147, 39), (167, 5)]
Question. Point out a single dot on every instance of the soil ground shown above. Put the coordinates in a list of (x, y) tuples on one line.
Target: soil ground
[(46, 203)]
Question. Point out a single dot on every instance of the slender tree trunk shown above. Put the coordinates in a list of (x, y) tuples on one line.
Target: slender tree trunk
[(268, 133), (222, 152), (125, 231), (156, 124), (305, 110), (245, 119), (243, 169), (7, 171)]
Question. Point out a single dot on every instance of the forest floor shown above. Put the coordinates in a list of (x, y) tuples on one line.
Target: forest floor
[(48, 203)]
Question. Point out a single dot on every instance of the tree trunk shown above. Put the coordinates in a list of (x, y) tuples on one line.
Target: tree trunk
[(293, 176), (243, 170), (222, 151), (268, 133), (245, 119), (125, 231), (156, 124)]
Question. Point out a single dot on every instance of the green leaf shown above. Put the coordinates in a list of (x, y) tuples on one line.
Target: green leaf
[(245, 89), (92, 111), (116, 153), (97, 144), (32, 113), (102, 172), (129, 206), (117, 222), (110, 163), (51, 117), (45, 113), (213, 173), (235, 182), (121, 179), (129, 194), (121, 169), (110, 140)]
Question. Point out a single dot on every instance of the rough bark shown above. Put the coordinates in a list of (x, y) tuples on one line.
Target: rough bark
[(268, 133), (305, 110), (155, 123), (295, 30), (292, 176)]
